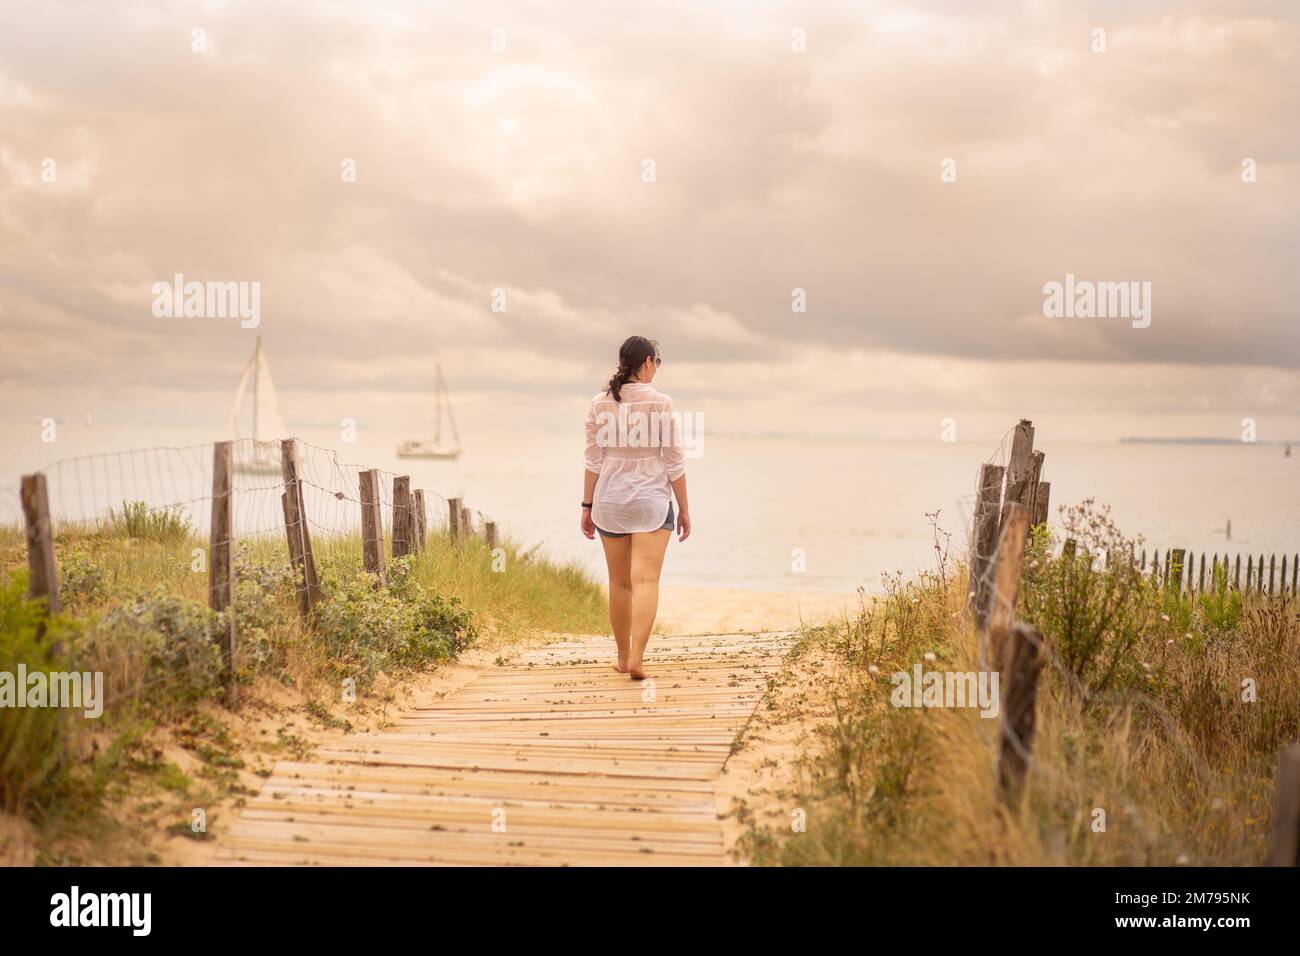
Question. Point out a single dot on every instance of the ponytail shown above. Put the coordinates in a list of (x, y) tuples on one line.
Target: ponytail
[(631, 356)]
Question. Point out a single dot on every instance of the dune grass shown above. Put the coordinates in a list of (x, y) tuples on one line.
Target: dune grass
[(1159, 722), (134, 607)]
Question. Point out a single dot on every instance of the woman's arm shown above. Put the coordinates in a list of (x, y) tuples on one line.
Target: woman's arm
[(588, 489), (592, 457), (683, 508)]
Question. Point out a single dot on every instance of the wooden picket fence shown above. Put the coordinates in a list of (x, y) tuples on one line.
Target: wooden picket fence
[(1181, 570)]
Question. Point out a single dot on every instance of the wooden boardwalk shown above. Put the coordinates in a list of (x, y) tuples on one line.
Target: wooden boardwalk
[(552, 760)]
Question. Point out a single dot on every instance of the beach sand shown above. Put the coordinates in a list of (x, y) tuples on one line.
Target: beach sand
[(718, 611)]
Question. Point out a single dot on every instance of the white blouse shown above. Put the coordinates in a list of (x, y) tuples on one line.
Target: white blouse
[(635, 447)]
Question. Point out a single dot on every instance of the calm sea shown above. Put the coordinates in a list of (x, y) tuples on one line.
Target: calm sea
[(847, 510)]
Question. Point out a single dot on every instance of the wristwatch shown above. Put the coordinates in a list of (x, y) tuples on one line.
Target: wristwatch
[(586, 504)]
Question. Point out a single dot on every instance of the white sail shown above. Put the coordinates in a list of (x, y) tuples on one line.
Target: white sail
[(267, 425), (438, 448)]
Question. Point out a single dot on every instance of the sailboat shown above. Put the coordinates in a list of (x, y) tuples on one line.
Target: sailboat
[(438, 448), (267, 426)]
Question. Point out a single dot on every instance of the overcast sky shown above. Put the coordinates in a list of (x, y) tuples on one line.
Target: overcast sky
[(522, 169)]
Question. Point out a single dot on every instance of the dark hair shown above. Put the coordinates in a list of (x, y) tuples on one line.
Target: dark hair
[(631, 356)]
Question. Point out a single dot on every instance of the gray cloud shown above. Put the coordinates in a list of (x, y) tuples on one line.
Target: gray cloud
[(521, 170)]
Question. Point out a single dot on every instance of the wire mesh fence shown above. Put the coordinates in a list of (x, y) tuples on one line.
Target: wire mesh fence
[(155, 489)]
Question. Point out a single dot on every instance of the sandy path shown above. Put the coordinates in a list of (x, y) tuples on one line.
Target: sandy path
[(711, 610)]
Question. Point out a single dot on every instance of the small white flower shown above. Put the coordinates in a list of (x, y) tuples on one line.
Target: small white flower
[(873, 670), (929, 656), (1165, 618)]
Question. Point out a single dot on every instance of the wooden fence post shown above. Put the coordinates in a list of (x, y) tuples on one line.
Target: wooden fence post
[(1285, 849), (1272, 567), (1006, 583), (453, 519), (421, 521), (1174, 572), (221, 568), (1031, 492), (984, 539), (1041, 499), (1019, 469), (295, 552), (295, 527), (403, 525), (1019, 690), (42, 576), (466, 524), (490, 534), (372, 524)]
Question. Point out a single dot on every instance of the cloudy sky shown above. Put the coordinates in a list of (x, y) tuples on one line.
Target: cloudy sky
[(504, 146)]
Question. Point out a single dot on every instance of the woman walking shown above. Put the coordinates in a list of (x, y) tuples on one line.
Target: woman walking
[(634, 467)]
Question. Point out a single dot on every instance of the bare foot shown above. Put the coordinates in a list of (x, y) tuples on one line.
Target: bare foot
[(621, 668), (637, 671)]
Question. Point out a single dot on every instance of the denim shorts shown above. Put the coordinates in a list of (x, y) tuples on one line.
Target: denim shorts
[(666, 526)]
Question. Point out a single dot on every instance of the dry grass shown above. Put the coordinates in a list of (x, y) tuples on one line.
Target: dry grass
[(1175, 755)]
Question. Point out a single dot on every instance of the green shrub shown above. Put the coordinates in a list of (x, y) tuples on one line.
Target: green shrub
[(1221, 606), (263, 596), (158, 648), (82, 584), (369, 627), (138, 520), (1093, 615), (33, 770)]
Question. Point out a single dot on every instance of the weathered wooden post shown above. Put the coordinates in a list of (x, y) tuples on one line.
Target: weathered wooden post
[(1019, 689), (453, 519), (1006, 583), (466, 524), (984, 539), (421, 521), (1031, 492), (1175, 570), (296, 529), (1285, 849), (42, 576), (1020, 465), (372, 525), (1041, 499), (294, 541), (490, 534), (403, 525), (221, 568), (1272, 567)]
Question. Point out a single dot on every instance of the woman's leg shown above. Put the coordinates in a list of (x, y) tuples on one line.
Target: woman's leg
[(647, 561), (618, 558)]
